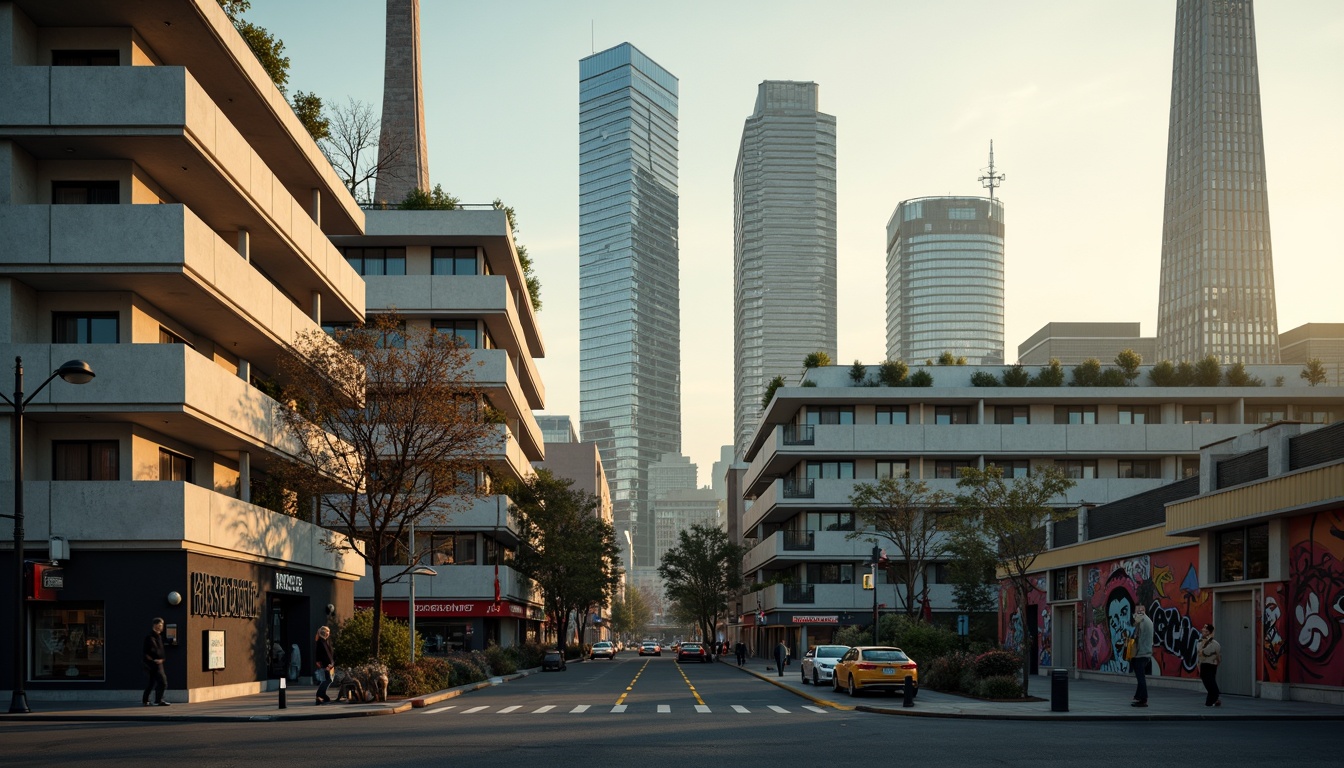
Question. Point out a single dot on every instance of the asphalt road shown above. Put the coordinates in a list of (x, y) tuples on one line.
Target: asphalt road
[(655, 713)]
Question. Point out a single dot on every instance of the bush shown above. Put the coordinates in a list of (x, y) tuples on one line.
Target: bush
[(854, 636), (426, 675), (353, 641), (997, 663), (984, 379), (892, 373), (501, 663), (944, 673), (999, 687), (921, 379), (1016, 376), (529, 655), (921, 641), (574, 651), (465, 668)]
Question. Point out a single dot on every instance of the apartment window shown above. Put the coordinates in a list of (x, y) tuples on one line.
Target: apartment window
[(464, 330), (1012, 414), (86, 58), (1266, 414), (830, 415), (461, 549), (1064, 584), (830, 573), (1075, 414), (1243, 553), (938, 573), (332, 329), (85, 192), (1314, 416), (1189, 468), (1148, 468), (896, 469), (949, 469), (377, 261), (830, 470), (1078, 469), (830, 521), (85, 328), (453, 261), (893, 414), (174, 466), (86, 460), (1139, 414), (952, 414), (168, 337), (1200, 414), (1014, 468)]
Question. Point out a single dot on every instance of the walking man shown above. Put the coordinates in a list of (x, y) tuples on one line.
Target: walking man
[(153, 657), (1143, 654), (741, 650), (781, 656)]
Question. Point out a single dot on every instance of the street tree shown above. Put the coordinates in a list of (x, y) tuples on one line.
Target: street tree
[(391, 433), (565, 548), (904, 512), (631, 614), (1011, 515), (1314, 372), (701, 572)]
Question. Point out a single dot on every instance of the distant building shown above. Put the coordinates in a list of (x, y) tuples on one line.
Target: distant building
[(556, 428), (945, 280), (1323, 341), (678, 510), (1072, 343), (1216, 294)]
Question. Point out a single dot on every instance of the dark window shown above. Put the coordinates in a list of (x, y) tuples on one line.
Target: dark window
[(85, 460), (174, 466), (111, 58), (85, 192), (830, 521), (453, 261), (1064, 584), (1200, 414), (952, 414), (831, 415), (1189, 468), (1075, 414), (949, 470), (66, 641), (465, 330), (85, 328), (1140, 469), (830, 470), (1139, 414), (896, 469), (893, 414), (1012, 414), (168, 337), (1014, 468), (830, 573), (1078, 469), (377, 261), (1243, 553)]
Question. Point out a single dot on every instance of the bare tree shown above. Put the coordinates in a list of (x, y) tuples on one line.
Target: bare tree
[(904, 512), (351, 147)]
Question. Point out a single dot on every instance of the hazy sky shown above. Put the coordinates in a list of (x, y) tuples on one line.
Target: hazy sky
[(1074, 93)]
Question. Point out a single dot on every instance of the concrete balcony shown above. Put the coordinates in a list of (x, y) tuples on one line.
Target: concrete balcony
[(785, 548), (165, 253), (171, 515), (463, 582), (787, 497), (495, 374), (851, 599)]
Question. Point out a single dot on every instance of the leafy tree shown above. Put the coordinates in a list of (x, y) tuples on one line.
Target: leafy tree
[(529, 276), (1208, 372), (308, 107), (904, 512), (434, 200), (970, 568), (566, 549), (892, 373), (1087, 373), (858, 372), (770, 388), (1129, 361), (269, 51), (947, 358), (351, 146), (1051, 375), (1016, 376), (388, 433), (1185, 374), (1236, 376), (818, 359), (701, 572), (1012, 515), (631, 614), (1313, 372), (1112, 377), (1163, 374), (921, 379), (984, 379)]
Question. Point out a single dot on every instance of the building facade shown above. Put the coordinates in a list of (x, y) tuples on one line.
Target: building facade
[(817, 443), (629, 295), (166, 219), (1216, 294), (1316, 341), (945, 280), (1072, 343), (784, 252)]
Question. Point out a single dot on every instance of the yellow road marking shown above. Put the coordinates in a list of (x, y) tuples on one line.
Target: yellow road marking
[(631, 686), (698, 700)]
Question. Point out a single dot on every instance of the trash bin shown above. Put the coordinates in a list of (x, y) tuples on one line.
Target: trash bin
[(1059, 690)]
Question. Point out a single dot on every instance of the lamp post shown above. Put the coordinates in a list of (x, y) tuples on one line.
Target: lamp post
[(74, 372), (423, 570)]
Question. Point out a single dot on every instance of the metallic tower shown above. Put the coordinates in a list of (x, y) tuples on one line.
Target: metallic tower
[(402, 149), (1216, 294)]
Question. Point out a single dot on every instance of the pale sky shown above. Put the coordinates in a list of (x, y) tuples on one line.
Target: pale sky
[(1074, 94)]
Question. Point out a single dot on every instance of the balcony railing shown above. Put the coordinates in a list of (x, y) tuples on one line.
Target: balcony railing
[(800, 489), (800, 541), (800, 593), (799, 434)]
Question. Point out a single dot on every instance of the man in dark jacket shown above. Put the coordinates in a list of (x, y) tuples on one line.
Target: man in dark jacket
[(152, 657), (781, 656)]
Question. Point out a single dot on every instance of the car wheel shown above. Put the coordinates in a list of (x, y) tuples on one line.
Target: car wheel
[(835, 683), (816, 679), (852, 690), (803, 672)]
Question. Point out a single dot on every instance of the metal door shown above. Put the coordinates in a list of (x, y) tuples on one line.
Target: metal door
[(1235, 630), (1064, 650)]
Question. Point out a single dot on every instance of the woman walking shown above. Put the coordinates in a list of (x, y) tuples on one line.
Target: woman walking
[(324, 659), (1210, 656)]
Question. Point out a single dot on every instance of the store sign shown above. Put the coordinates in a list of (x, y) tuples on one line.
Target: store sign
[(288, 582), (816, 619), (45, 580), (447, 608), (213, 595)]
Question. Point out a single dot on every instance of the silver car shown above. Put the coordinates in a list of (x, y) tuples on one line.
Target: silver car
[(819, 663)]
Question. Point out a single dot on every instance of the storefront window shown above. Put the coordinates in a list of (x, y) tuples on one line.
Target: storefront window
[(67, 641)]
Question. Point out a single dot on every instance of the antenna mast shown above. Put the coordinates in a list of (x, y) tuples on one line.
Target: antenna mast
[(990, 180)]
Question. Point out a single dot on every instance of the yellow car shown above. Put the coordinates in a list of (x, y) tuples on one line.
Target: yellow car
[(875, 668)]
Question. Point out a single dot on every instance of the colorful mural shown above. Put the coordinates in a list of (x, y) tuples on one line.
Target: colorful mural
[(1273, 629), (1316, 599), (1010, 628)]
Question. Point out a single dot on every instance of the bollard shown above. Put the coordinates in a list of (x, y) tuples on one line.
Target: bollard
[(1059, 690), (282, 693), (909, 692)]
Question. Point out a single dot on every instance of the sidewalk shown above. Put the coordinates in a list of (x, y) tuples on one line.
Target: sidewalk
[(1087, 700)]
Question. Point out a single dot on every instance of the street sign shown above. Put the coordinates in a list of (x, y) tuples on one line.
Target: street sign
[(963, 624), (867, 581)]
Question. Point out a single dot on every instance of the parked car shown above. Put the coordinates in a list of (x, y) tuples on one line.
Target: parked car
[(650, 649), (875, 668), (553, 661), (602, 650), (819, 663), (692, 652)]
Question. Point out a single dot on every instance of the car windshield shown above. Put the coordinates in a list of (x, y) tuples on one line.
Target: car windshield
[(831, 651), (884, 654)]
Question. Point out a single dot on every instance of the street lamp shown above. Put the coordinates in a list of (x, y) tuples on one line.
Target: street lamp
[(423, 570), (75, 372)]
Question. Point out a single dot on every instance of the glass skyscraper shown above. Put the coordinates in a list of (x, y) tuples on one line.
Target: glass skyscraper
[(784, 253), (629, 294), (945, 280), (1217, 287)]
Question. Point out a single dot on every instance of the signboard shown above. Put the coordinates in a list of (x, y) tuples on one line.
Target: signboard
[(214, 649), (963, 624), (45, 580), (816, 619), (433, 609), (288, 582)]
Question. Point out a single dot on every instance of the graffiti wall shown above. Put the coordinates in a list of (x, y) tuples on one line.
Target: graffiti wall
[(1011, 632), (1168, 585), (1273, 665), (1315, 604)]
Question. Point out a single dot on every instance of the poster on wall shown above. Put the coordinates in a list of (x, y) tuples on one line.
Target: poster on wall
[(214, 649)]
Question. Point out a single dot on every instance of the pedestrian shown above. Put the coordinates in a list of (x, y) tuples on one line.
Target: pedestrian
[(1143, 655), (741, 650), (1210, 656), (152, 657), (781, 656), (324, 659)]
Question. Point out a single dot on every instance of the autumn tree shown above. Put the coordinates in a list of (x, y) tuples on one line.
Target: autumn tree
[(390, 434), (904, 512), (701, 572), (1011, 515)]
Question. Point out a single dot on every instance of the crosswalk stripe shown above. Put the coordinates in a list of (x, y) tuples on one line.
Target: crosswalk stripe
[(546, 708), (473, 709), (814, 709), (780, 710), (439, 709), (664, 709), (738, 708), (702, 709), (579, 709), (619, 708), (507, 710)]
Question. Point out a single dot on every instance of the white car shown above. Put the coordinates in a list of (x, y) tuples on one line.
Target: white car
[(819, 663)]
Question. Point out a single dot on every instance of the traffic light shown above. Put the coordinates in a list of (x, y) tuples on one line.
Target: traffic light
[(867, 581)]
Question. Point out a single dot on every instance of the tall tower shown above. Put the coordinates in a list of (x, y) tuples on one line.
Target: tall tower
[(402, 148), (784, 253), (629, 295), (1217, 288), (945, 279)]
